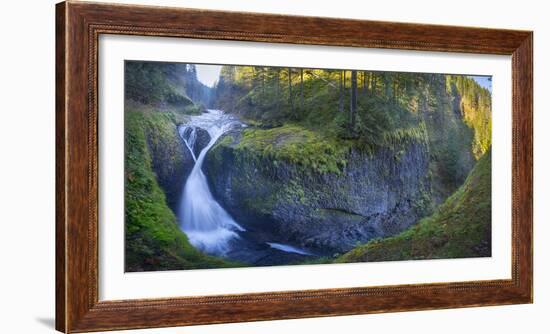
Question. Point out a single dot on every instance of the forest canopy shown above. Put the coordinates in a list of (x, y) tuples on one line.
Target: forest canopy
[(353, 104)]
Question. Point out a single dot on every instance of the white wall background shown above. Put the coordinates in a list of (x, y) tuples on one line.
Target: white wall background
[(27, 70)]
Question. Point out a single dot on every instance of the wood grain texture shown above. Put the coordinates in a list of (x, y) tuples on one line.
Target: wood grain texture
[(78, 26), (60, 180)]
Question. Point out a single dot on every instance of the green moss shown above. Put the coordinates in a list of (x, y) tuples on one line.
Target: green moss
[(461, 227), (153, 238), (402, 136), (299, 146)]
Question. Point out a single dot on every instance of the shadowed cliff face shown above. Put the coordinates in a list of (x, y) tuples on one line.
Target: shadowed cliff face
[(171, 162), (374, 195), (461, 226)]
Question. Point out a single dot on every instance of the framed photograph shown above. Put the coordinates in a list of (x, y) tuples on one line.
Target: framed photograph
[(224, 167)]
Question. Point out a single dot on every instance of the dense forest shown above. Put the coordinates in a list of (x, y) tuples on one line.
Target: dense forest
[(329, 165), (367, 110)]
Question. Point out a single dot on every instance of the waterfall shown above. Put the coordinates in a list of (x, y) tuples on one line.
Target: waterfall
[(207, 225), (288, 248), (189, 136)]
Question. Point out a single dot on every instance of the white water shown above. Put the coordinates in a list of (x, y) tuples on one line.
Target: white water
[(207, 225), (287, 248)]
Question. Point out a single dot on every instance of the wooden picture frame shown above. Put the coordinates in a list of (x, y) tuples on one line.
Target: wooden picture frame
[(78, 26)]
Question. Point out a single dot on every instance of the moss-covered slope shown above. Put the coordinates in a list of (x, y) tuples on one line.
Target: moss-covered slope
[(461, 227), (153, 238)]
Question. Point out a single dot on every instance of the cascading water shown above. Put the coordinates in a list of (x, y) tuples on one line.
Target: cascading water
[(207, 225), (189, 136)]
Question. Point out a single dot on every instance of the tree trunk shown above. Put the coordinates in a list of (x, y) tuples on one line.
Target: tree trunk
[(388, 86), (364, 82), (263, 83), (290, 100), (344, 81), (278, 89), (395, 90), (341, 102), (353, 102), (302, 87)]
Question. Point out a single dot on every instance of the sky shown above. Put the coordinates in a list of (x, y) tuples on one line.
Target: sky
[(483, 81), (208, 74)]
